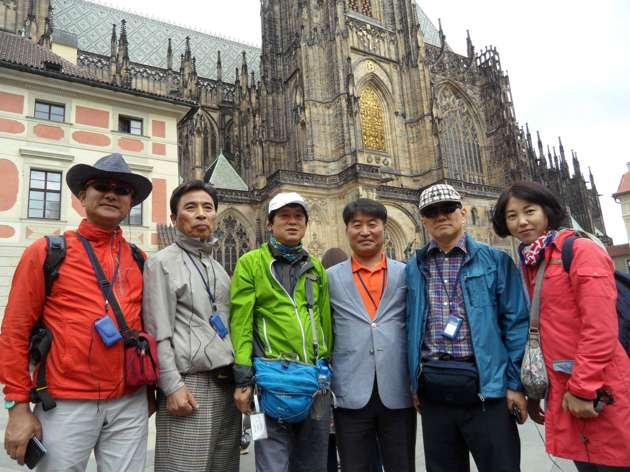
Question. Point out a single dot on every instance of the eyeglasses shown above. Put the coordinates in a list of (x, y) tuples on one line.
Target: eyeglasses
[(445, 208), (105, 186)]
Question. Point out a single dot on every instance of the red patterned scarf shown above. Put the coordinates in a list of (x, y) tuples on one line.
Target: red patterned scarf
[(530, 254)]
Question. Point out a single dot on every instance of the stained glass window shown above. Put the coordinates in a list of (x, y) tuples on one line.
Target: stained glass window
[(362, 6), (372, 120), (459, 141)]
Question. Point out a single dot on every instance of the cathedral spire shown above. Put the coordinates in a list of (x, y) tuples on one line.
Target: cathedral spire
[(46, 38), (187, 52), (528, 135), (244, 73), (576, 165), (114, 43), (169, 55), (470, 48), (219, 67), (541, 151)]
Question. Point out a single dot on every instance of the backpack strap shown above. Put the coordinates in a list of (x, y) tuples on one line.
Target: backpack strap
[(567, 252), (310, 303), (54, 257), (137, 256), (41, 336)]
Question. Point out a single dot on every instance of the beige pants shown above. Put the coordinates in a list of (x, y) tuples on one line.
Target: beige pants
[(116, 430)]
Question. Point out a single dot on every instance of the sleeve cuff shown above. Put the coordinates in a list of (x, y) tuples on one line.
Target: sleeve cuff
[(243, 375)]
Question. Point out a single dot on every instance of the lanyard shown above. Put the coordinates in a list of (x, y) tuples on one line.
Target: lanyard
[(111, 284), (444, 285), (204, 279), (366, 289)]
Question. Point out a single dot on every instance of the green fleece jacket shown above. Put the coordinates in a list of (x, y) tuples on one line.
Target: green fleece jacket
[(262, 313)]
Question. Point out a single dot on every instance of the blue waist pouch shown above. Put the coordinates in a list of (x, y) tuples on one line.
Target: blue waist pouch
[(287, 388)]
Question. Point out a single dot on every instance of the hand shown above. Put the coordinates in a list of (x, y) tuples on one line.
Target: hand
[(416, 402), (578, 407), (181, 402), (243, 399), (517, 399), (22, 426), (536, 413)]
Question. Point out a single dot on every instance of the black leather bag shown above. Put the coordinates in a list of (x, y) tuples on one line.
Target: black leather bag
[(453, 382)]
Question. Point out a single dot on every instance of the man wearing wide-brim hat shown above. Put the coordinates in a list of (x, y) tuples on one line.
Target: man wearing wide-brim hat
[(88, 406)]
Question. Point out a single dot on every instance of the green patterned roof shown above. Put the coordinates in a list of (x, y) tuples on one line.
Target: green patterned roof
[(148, 38), (429, 31), (223, 175)]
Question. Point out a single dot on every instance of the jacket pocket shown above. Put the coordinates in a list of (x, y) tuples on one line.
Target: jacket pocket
[(479, 288)]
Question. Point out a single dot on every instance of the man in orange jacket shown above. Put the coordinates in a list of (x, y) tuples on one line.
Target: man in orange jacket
[(95, 409)]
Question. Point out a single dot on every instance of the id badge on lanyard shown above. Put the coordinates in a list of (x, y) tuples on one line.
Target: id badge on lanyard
[(453, 325), (257, 419)]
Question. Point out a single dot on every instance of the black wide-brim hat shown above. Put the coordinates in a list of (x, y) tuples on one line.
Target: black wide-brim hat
[(109, 167)]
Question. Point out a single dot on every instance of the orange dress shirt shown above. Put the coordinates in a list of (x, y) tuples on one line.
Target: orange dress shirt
[(373, 279)]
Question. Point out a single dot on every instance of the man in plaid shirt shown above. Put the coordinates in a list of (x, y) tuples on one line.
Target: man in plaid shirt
[(467, 327)]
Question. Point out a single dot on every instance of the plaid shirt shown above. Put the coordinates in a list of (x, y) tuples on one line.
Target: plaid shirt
[(439, 291)]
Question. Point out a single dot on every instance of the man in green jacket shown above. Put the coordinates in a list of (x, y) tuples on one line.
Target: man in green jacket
[(269, 318)]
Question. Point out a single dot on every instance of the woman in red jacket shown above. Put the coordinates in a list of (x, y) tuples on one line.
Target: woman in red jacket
[(579, 333)]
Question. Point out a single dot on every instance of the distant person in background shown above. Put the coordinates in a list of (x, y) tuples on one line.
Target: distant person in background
[(585, 361)]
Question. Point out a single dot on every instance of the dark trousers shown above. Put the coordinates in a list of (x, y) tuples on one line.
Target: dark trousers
[(358, 431), (587, 467), (294, 447), (486, 430)]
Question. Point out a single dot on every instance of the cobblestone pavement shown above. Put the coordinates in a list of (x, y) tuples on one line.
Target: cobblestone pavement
[(534, 458)]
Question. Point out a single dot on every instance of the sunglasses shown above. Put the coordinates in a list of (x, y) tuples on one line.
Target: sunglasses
[(106, 186), (440, 209)]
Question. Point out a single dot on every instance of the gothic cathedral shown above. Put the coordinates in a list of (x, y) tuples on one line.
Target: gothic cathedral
[(346, 98)]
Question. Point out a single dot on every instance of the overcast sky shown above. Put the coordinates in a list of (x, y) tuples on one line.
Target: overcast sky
[(567, 60)]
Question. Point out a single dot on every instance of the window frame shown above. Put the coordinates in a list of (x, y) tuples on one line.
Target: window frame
[(49, 115), (129, 129), (46, 192), (127, 220)]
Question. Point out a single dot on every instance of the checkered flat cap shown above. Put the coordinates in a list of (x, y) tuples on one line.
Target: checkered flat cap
[(437, 194)]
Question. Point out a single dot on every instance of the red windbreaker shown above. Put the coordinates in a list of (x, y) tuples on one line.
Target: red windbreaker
[(578, 323), (80, 366)]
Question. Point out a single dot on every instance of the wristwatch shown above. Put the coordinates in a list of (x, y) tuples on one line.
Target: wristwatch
[(8, 404)]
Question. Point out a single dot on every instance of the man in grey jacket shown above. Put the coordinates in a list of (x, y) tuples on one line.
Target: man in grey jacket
[(186, 305), (371, 380)]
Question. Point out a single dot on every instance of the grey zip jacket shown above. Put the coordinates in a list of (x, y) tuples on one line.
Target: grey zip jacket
[(176, 309)]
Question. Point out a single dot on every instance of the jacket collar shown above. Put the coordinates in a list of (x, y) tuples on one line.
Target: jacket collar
[(94, 233), (195, 245), (472, 247)]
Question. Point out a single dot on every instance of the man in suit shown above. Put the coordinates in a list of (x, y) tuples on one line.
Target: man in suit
[(367, 295)]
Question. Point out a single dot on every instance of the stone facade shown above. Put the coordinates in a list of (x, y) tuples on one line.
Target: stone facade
[(348, 98)]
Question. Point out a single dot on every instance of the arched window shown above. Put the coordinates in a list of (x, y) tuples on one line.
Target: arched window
[(474, 217), (390, 249), (209, 146), (362, 6), (372, 120), (459, 141), (233, 242)]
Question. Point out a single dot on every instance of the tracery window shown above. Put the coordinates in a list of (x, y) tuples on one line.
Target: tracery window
[(233, 243), (362, 6), (372, 120), (459, 141), (390, 249)]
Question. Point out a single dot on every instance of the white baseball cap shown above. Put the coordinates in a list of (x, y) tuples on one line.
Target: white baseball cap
[(287, 198)]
